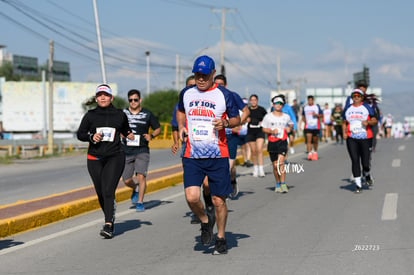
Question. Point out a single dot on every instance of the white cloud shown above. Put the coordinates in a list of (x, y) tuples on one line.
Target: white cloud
[(390, 70), (387, 49)]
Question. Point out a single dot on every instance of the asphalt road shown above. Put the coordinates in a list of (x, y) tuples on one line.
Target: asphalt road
[(30, 179), (319, 227)]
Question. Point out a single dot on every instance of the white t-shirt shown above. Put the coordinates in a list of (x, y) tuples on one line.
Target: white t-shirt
[(277, 122), (327, 116), (312, 121)]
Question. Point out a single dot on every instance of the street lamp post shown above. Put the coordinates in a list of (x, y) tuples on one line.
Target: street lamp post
[(98, 34)]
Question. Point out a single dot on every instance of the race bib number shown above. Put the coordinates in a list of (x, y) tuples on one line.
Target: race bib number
[(108, 133), (356, 127), (134, 142), (279, 134), (312, 122), (202, 132)]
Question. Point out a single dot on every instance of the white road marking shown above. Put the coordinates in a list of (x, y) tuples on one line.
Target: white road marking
[(74, 229), (389, 209), (401, 148), (396, 163)]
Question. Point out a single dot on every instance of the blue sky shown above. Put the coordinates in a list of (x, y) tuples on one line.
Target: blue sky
[(321, 43)]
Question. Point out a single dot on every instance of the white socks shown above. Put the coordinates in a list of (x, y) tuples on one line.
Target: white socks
[(261, 171), (358, 182)]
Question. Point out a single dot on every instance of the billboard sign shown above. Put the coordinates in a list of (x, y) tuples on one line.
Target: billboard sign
[(24, 105)]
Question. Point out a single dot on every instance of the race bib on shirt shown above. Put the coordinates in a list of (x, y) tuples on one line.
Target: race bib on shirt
[(134, 142), (108, 133), (201, 132), (356, 127), (312, 122), (279, 134), (357, 130)]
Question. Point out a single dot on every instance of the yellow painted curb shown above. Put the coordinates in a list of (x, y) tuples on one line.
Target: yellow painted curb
[(45, 216), (52, 214)]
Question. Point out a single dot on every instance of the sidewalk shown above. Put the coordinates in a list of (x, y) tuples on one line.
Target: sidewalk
[(22, 216)]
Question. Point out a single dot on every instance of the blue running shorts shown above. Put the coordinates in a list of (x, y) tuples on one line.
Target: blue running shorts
[(216, 169), (232, 142)]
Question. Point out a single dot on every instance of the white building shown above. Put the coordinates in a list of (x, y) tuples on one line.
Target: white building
[(334, 96)]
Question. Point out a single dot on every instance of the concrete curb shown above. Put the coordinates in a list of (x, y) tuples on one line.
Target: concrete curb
[(49, 215)]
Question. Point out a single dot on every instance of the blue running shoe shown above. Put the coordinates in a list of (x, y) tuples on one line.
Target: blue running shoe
[(139, 207), (134, 197)]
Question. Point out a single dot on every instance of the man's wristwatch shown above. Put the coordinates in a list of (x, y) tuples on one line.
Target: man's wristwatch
[(152, 136), (225, 123)]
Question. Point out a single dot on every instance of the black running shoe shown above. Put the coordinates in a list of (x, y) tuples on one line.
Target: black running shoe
[(235, 189), (206, 233), (249, 163), (194, 219), (221, 247), (358, 190), (207, 228), (369, 180), (107, 231)]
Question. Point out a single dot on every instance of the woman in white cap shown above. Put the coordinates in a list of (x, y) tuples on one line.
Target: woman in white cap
[(277, 125), (358, 119), (102, 128)]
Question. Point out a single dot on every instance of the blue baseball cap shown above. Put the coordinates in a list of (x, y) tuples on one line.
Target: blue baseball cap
[(203, 64)]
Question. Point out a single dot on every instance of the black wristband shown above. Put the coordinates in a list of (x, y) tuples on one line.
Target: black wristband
[(152, 136)]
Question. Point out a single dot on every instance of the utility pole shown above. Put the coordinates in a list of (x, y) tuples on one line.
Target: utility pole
[(222, 29), (98, 34), (223, 26), (50, 70), (297, 85), (147, 53), (44, 132)]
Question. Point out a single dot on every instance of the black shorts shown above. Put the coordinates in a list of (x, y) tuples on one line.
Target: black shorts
[(277, 148), (254, 133), (314, 132)]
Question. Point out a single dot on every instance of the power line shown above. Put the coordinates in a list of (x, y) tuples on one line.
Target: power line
[(95, 60), (43, 37), (242, 70), (263, 54), (114, 58), (132, 43)]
